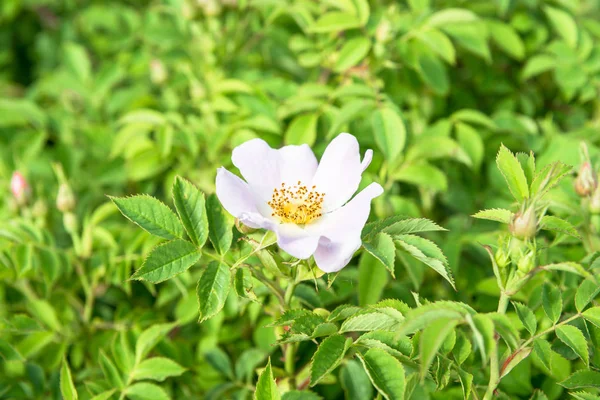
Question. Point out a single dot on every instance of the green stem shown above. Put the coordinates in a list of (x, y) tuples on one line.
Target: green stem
[(551, 329), (494, 361)]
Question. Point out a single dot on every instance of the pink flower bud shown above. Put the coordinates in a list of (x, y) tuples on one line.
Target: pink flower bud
[(524, 225), (20, 188), (586, 181)]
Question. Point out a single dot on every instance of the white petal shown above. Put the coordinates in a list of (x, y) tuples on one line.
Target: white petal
[(341, 229), (259, 165), (339, 171), (366, 160), (298, 163), (296, 241)]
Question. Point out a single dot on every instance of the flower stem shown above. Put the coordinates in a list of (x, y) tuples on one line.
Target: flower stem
[(494, 362)]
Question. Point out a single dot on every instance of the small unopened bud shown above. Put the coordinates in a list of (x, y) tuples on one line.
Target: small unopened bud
[(70, 222), (594, 206), (524, 225), (382, 33), (243, 229), (65, 200), (502, 259), (158, 72), (526, 263), (587, 180), (39, 209), (20, 188)]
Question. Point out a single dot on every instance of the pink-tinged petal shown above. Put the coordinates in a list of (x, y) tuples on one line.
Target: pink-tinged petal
[(339, 171), (366, 161), (340, 230), (296, 241)]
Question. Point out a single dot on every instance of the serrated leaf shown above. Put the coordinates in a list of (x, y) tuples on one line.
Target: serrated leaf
[(555, 224), (418, 318), (384, 250), (513, 360), (353, 51), (385, 372), (369, 321), (552, 302), (67, 388), (151, 215), (573, 337), (582, 379), (328, 356), (544, 352), (495, 214), (167, 260), (428, 253), (355, 381), (431, 340), (157, 369), (190, 205), (389, 132), (567, 266), (514, 175), (110, 371), (398, 225), (149, 338), (212, 290), (146, 391), (586, 292), (266, 388), (220, 225), (526, 316), (592, 315), (243, 284)]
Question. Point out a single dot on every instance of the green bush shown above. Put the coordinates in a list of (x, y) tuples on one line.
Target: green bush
[(143, 102)]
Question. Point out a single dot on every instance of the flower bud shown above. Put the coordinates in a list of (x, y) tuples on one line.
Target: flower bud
[(524, 225), (158, 72), (243, 229), (19, 188), (594, 206), (39, 209), (526, 263), (502, 259), (587, 180), (65, 200), (70, 222)]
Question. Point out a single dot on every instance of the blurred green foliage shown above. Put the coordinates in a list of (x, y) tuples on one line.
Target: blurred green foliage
[(119, 97)]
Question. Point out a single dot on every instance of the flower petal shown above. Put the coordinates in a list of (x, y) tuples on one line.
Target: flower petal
[(340, 230), (298, 163), (296, 241), (339, 171), (259, 165), (366, 161)]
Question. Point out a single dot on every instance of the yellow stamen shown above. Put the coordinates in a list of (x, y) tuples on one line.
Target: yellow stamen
[(296, 204)]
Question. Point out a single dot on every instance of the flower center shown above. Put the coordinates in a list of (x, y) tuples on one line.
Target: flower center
[(296, 204)]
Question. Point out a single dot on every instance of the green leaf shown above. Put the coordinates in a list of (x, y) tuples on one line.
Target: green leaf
[(67, 388), (212, 290), (537, 65), (302, 129), (474, 117), (552, 302), (355, 381), (145, 116), (300, 395), (514, 175), (507, 39), (418, 318), (266, 388), (149, 338), (527, 317), (78, 62), (582, 379), (428, 253), (573, 337), (110, 371), (567, 266), (432, 339), (243, 284), (328, 356), (370, 321), (335, 21), (146, 391), (434, 73), (586, 292), (564, 24), (544, 352), (397, 225), (386, 373), (451, 16), (353, 51), (470, 140), (495, 214), (372, 279), (555, 224), (167, 260), (220, 361), (220, 224), (513, 360), (592, 315), (157, 369), (190, 205), (151, 215), (424, 175), (384, 250), (389, 132), (8, 352), (472, 37), (439, 43), (106, 395)]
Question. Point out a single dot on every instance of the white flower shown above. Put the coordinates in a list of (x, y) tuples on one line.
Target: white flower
[(304, 202)]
